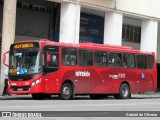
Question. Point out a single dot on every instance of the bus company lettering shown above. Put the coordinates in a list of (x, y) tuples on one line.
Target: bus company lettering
[(82, 73), (119, 75)]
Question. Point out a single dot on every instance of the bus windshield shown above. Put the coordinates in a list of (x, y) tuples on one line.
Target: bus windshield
[(27, 62)]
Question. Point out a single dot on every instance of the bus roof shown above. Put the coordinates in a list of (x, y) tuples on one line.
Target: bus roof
[(89, 45), (106, 45)]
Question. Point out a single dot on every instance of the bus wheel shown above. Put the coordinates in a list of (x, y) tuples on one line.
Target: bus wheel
[(38, 96), (124, 92), (66, 91)]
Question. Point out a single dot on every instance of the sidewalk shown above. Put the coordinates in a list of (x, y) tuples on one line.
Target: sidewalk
[(147, 95), (15, 96)]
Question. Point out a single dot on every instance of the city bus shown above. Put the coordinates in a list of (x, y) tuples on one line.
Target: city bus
[(42, 68)]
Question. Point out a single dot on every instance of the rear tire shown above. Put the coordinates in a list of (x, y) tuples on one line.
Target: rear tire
[(124, 92), (66, 91)]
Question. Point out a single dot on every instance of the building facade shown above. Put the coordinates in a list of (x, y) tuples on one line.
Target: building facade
[(134, 23)]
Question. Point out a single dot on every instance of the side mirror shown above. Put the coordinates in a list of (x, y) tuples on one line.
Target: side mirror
[(48, 58), (4, 58)]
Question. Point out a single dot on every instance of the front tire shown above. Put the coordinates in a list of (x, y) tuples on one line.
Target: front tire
[(66, 91)]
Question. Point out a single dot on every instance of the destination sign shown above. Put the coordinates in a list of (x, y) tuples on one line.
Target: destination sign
[(23, 45), (13, 70)]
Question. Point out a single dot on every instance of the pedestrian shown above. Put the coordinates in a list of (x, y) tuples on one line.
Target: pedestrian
[(5, 91)]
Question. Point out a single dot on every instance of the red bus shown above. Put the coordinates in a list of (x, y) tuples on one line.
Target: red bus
[(43, 68)]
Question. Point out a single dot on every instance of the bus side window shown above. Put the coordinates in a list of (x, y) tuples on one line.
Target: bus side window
[(69, 56), (115, 60), (89, 58), (150, 61), (128, 60), (100, 58), (65, 60), (73, 60), (125, 63), (141, 62), (85, 57)]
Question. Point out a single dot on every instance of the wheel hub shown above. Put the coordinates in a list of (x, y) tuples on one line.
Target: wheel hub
[(124, 91), (66, 91)]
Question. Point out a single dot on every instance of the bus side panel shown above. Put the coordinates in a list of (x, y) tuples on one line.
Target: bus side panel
[(102, 84), (108, 80), (138, 80), (152, 75), (52, 82), (120, 75), (81, 77), (153, 80), (146, 80)]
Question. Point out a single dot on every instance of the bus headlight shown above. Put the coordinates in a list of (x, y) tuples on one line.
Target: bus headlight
[(35, 82)]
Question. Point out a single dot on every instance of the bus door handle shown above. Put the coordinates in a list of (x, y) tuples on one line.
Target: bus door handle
[(137, 81), (46, 79)]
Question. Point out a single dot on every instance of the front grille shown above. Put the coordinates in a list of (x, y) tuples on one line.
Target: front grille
[(20, 88)]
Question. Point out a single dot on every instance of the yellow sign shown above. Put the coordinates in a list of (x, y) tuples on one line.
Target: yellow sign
[(11, 71), (23, 45)]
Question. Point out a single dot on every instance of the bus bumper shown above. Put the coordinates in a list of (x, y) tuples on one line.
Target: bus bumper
[(24, 90)]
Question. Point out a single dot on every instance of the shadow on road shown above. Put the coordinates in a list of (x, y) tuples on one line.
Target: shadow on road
[(55, 97)]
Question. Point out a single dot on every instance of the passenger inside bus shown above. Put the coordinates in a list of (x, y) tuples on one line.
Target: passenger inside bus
[(66, 60), (73, 60), (115, 60)]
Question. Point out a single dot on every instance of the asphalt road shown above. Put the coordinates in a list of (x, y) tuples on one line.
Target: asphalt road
[(110, 108)]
